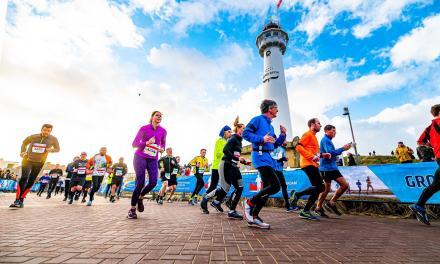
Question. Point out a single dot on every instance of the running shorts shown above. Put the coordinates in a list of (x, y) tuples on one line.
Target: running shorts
[(329, 176)]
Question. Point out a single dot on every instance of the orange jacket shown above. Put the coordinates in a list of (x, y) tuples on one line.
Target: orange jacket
[(91, 163), (308, 147)]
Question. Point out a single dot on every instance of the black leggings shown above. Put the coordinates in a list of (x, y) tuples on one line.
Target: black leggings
[(214, 181), (434, 187), (42, 187), (271, 185), (283, 184), (29, 172), (52, 184), (199, 184), (67, 189), (316, 188), (96, 183), (229, 175)]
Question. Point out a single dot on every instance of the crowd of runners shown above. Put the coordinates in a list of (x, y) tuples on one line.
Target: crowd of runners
[(318, 160)]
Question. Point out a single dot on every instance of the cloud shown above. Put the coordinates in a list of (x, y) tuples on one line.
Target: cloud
[(421, 45)]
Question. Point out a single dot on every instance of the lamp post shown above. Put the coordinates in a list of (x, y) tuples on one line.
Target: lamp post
[(346, 112)]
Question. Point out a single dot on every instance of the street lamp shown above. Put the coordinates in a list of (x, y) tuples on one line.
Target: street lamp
[(347, 113)]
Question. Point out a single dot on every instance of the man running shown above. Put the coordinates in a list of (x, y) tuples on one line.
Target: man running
[(99, 164), (329, 172), (55, 175), (172, 182), (261, 134), (168, 166), (69, 171), (230, 174), (200, 165), (430, 135), (308, 148), (108, 185), (224, 135), (34, 151), (119, 170), (149, 142), (79, 171), (279, 156), (44, 180)]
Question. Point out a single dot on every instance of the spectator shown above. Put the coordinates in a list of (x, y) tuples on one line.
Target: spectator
[(425, 153), (351, 160), (392, 152), (404, 153), (369, 153), (374, 153)]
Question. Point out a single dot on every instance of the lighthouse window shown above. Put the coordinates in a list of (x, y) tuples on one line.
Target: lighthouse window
[(267, 34), (275, 33)]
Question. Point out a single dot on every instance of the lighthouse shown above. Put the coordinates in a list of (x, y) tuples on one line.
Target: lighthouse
[(272, 43)]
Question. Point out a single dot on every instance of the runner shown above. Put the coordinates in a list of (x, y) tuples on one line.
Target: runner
[(199, 164), (329, 172), (430, 135), (44, 180), (279, 156), (225, 134), (60, 186), (172, 182), (99, 164), (34, 151), (230, 174), (55, 175), (119, 170), (168, 166), (69, 171), (308, 148), (149, 141), (79, 168), (369, 185), (108, 185), (261, 134)]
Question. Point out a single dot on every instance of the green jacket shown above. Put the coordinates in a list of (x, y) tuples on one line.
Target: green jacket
[(218, 153)]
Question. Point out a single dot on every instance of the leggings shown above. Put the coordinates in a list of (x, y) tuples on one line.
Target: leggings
[(316, 188), (434, 187), (229, 175), (96, 183), (283, 184), (52, 184), (140, 166), (107, 189), (199, 184), (67, 189), (214, 181), (29, 172), (271, 185), (42, 187)]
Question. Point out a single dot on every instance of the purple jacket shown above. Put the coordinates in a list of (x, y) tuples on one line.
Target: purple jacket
[(144, 134)]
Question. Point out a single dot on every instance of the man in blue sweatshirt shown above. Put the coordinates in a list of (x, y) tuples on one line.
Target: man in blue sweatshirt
[(261, 134), (329, 172)]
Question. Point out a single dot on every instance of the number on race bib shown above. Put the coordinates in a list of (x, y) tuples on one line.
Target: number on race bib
[(151, 150), (175, 171), (100, 172), (118, 173), (167, 175), (39, 148), (201, 170), (81, 171)]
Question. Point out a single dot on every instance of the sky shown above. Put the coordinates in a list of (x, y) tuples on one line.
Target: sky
[(97, 69)]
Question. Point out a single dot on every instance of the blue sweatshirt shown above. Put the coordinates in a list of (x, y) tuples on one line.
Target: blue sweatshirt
[(254, 132), (328, 147)]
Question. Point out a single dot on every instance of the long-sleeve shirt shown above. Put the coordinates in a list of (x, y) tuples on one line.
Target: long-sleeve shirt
[(403, 153), (218, 153), (69, 170), (254, 132), (232, 150), (99, 164), (144, 134), (431, 134), (327, 146), (37, 147), (200, 164), (308, 147)]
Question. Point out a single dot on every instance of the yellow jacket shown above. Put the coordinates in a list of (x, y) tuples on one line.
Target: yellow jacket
[(199, 164), (403, 153)]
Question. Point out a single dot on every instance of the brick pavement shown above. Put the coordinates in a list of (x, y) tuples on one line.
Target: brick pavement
[(50, 231)]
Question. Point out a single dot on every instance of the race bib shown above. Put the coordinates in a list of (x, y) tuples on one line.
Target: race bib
[(81, 171), (39, 148), (99, 172), (118, 173), (175, 171), (201, 170), (151, 150), (167, 175)]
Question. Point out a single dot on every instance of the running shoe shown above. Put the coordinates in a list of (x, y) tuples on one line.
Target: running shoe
[(76, 196), (194, 201), (204, 206), (48, 196), (157, 199), (291, 209), (83, 200), (258, 222), (293, 199), (160, 202), (307, 215), (112, 199), (248, 212), (140, 205), (217, 206), (15, 204), (65, 199), (420, 213), (132, 214), (89, 203), (321, 213), (190, 202), (235, 215), (70, 202), (332, 208)]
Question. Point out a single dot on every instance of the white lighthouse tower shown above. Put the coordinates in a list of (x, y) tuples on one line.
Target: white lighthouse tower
[(272, 42)]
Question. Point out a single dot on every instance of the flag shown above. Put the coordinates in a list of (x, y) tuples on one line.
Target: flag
[(279, 3)]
